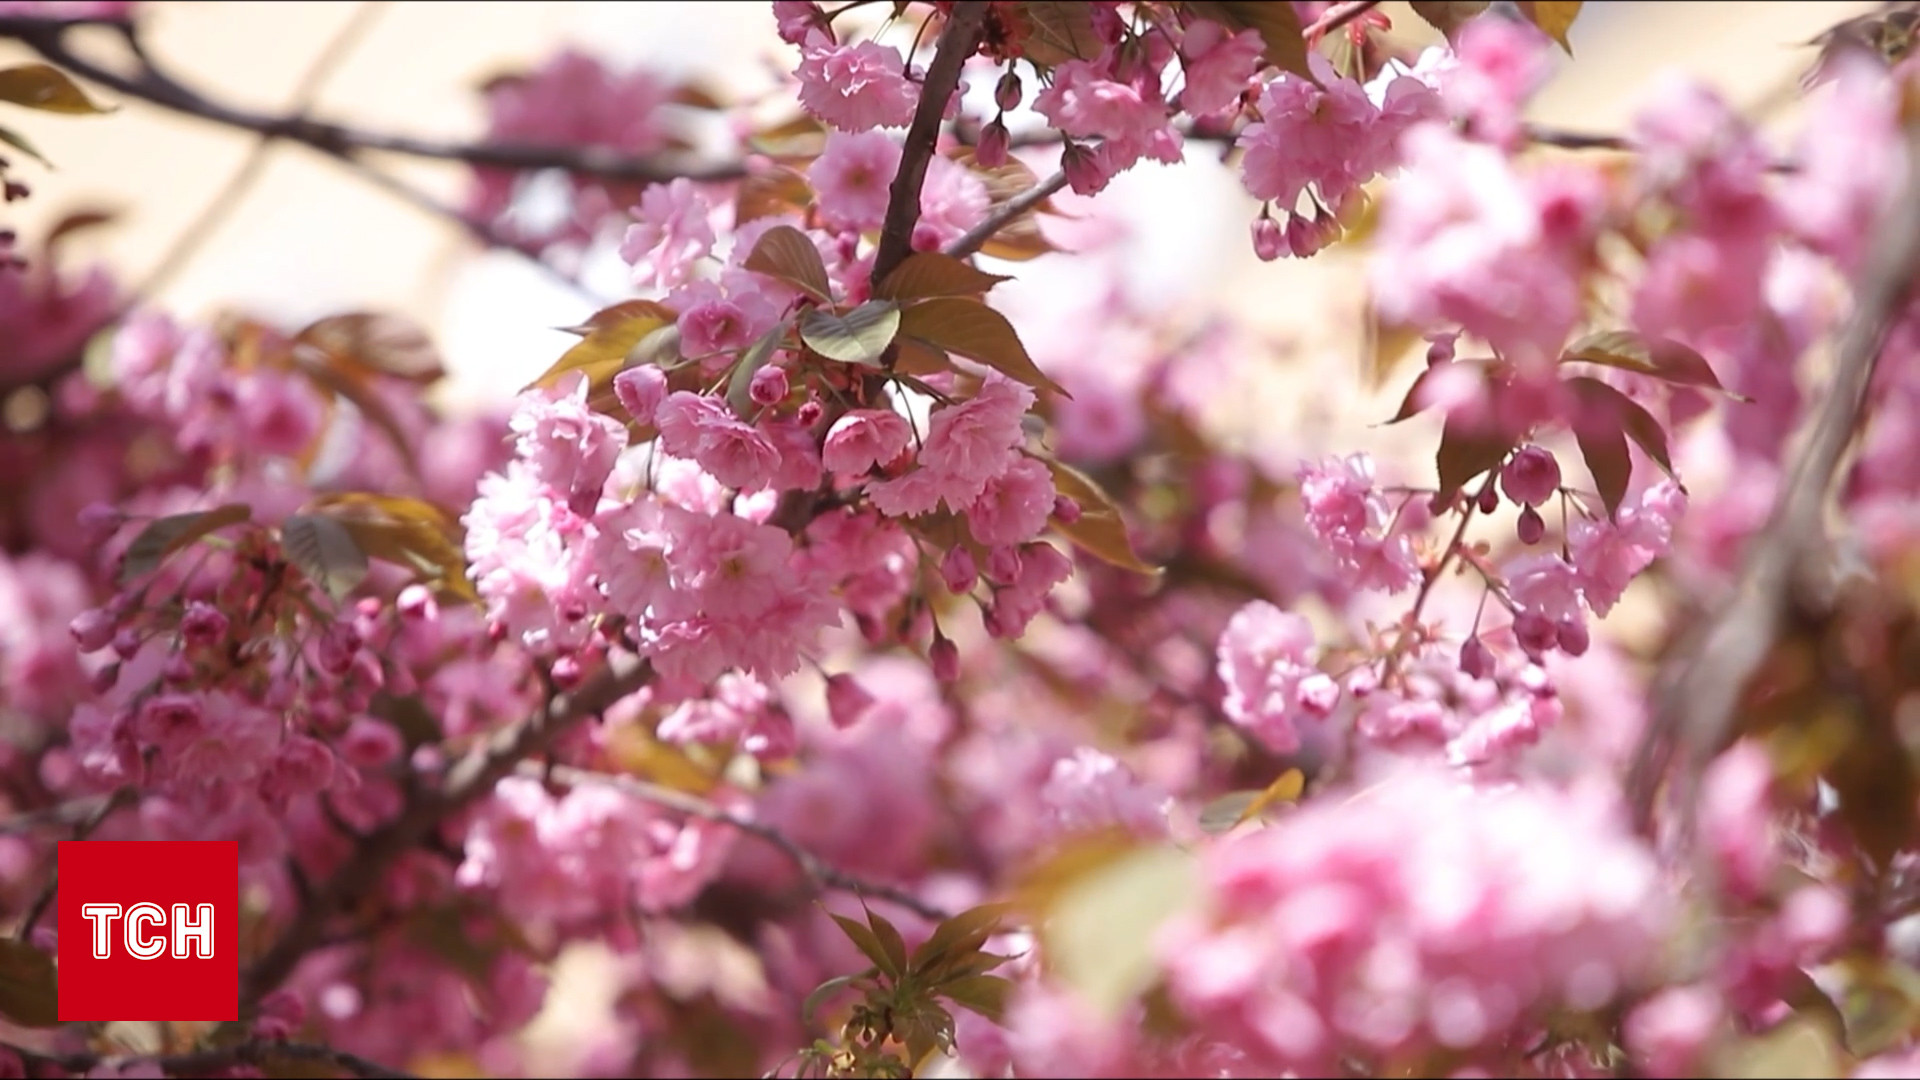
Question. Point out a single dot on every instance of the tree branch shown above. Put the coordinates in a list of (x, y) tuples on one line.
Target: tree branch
[(155, 87), (1698, 692), (1005, 214), (466, 781), (822, 873), (201, 1062), (958, 41)]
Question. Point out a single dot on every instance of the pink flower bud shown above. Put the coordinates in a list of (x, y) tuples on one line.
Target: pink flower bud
[(1269, 239), (126, 642), (1065, 510), (991, 150), (92, 629), (99, 521), (768, 386), (566, 672), (1531, 527), (1003, 565), (1083, 170), (809, 413), (1535, 632), (1476, 660), (416, 602), (1440, 351), (370, 743), (202, 625), (958, 571), (1008, 91), (945, 656), (1531, 476), (847, 700), (1489, 500), (1572, 637), (177, 670), (640, 391)]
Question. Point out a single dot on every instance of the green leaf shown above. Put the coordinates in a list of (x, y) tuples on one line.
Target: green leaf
[(926, 274), (602, 352), (869, 944), (861, 336), (164, 536), (1659, 358), (1605, 451), (19, 142), (972, 329), (1553, 17), (984, 994), (1100, 530), (47, 88), (740, 383), (1799, 1048), (1448, 16), (1099, 934), (965, 932), (1277, 24), (325, 552), (406, 532), (787, 254), (376, 343), (29, 992)]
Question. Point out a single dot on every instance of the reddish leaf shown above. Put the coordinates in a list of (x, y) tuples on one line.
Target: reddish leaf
[(1099, 530), (164, 536), (44, 87), (974, 330), (927, 274), (1277, 24), (1657, 357), (787, 254), (376, 342), (1553, 17), (1607, 407), (29, 994), (1605, 451), (1467, 450)]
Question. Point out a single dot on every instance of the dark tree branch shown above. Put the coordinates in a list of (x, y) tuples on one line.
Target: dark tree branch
[(201, 1062), (958, 41), (1698, 692), (153, 85)]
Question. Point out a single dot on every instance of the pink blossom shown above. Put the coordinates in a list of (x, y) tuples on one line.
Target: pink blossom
[(673, 232), (851, 178), (864, 438), (703, 429), (855, 87), (1309, 136), (1263, 662), (567, 446), (1355, 524), (1218, 66), (1014, 506), (1501, 63)]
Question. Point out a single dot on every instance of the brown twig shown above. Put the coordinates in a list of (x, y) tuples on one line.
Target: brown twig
[(1338, 16), (1005, 214), (822, 873), (957, 42), (232, 193), (1696, 695), (201, 1062), (153, 85)]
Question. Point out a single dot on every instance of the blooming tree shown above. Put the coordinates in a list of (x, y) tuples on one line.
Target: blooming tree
[(875, 677)]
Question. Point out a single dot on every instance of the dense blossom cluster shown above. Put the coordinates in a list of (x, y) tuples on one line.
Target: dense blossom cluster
[(831, 664)]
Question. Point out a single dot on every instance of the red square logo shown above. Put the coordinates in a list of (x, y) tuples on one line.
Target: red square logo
[(149, 930)]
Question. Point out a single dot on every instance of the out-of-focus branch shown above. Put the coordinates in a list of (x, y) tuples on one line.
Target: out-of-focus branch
[(151, 84), (1696, 695), (466, 781), (958, 41), (201, 1062), (822, 873)]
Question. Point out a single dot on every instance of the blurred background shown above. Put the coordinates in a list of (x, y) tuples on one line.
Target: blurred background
[(307, 237)]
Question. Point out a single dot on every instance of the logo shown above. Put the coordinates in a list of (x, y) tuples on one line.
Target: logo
[(149, 930)]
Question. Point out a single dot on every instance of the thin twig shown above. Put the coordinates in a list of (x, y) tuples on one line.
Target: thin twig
[(1697, 693), (822, 873), (228, 199), (92, 821), (154, 86), (200, 1062), (957, 42), (1005, 214)]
